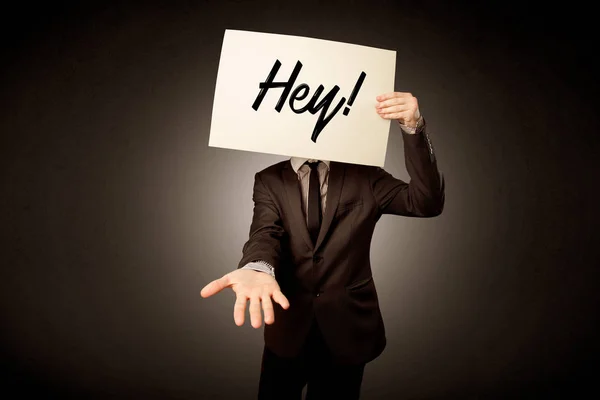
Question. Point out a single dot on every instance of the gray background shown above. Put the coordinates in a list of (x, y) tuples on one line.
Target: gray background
[(115, 212)]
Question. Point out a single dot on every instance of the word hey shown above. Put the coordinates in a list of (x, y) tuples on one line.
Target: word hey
[(301, 92)]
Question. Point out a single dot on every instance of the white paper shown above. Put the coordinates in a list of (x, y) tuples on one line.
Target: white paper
[(247, 59)]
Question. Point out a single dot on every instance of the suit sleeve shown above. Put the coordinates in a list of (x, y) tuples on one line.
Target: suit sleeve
[(423, 196), (266, 230)]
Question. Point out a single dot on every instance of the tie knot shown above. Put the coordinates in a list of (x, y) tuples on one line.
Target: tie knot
[(313, 164)]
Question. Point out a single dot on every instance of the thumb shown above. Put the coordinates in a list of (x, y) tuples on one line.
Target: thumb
[(215, 286)]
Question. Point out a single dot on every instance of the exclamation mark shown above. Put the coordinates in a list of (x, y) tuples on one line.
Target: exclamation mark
[(359, 82)]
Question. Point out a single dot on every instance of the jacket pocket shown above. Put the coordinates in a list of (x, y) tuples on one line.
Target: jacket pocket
[(360, 284), (349, 205), (345, 208)]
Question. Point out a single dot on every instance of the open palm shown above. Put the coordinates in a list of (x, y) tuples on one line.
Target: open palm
[(258, 287)]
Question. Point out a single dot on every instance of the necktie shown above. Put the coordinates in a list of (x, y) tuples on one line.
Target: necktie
[(314, 202)]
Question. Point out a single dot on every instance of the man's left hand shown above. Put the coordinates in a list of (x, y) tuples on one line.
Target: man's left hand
[(399, 106)]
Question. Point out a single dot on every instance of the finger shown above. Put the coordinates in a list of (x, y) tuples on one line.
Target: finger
[(401, 116), (391, 116), (255, 317), (393, 102), (281, 299), (392, 95), (215, 286), (239, 309), (393, 109), (268, 311)]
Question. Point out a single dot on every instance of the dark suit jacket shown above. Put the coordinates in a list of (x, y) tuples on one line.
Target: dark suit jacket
[(332, 280)]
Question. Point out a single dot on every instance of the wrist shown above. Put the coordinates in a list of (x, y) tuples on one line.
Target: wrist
[(412, 128), (260, 266)]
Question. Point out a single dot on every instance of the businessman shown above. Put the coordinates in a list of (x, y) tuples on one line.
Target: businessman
[(306, 263)]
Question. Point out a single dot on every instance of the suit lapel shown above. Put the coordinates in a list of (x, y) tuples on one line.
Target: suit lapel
[(292, 191), (336, 181)]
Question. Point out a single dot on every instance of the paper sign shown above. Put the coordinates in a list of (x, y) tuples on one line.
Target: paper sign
[(303, 97)]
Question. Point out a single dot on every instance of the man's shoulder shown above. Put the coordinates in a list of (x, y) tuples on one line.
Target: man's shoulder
[(274, 169), (359, 169)]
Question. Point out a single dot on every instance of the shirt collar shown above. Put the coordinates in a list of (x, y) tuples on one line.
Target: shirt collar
[(298, 161)]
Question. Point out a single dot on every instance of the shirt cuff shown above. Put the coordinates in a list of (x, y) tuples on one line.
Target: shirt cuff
[(261, 266), (410, 130)]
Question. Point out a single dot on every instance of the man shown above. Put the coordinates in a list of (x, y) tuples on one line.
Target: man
[(308, 251)]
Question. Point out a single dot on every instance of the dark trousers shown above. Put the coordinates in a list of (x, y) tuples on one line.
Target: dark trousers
[(284, 378)]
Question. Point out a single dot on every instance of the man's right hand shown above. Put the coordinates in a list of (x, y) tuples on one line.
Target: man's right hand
[(258, 287)]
